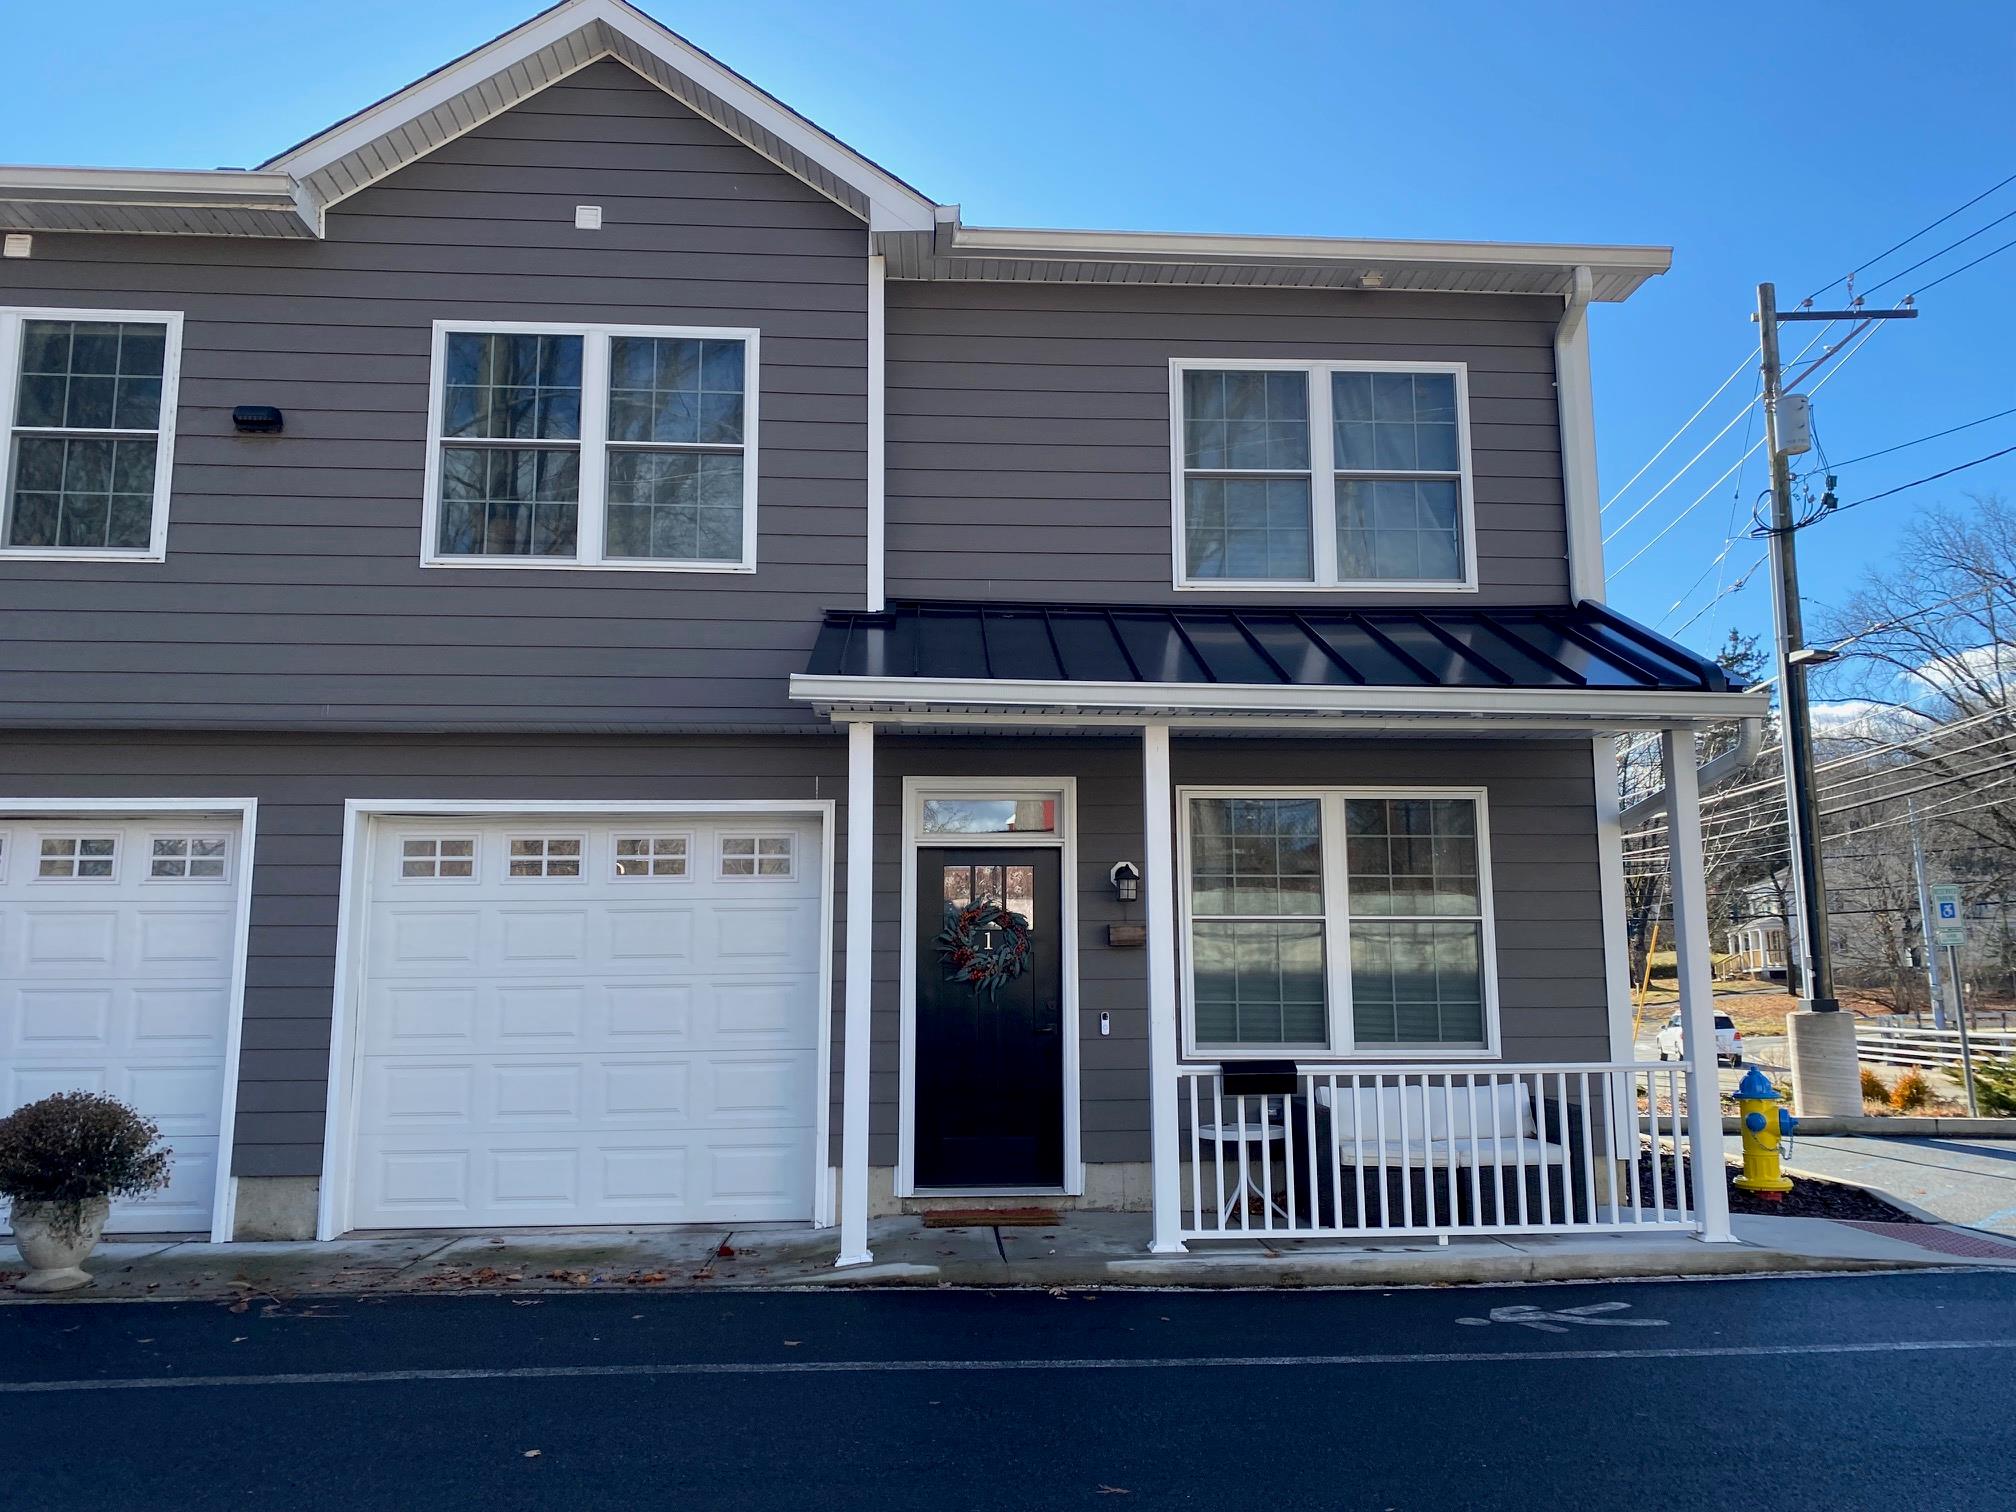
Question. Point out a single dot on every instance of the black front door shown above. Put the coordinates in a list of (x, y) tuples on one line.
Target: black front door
[(990, 1063)]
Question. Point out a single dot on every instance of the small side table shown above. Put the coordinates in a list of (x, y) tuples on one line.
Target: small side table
[(1250, 1133)]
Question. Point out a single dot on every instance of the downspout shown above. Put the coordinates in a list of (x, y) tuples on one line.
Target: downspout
[(1718, 769), (1575, 411)]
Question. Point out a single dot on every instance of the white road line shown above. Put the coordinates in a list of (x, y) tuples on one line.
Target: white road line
[(898, 1367)]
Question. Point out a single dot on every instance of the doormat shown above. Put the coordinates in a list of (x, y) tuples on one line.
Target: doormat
[(1027, 1217)]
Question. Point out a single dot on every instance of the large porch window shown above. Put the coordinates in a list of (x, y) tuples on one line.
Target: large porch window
[(1337, 922)]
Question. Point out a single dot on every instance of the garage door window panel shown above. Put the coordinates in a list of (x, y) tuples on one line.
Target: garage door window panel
[(661, 856), (437, 858), (772, 857), (79, 858), (191, 858), (544, 857)]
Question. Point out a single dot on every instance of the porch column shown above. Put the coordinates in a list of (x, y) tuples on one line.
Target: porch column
[(1159, 862), (1689, 889), (859, 1008)]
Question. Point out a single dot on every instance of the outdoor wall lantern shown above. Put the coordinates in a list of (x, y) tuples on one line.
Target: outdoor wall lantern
[(1126, 879)]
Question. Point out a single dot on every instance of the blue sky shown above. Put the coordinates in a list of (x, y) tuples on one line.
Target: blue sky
[(1790, 152)]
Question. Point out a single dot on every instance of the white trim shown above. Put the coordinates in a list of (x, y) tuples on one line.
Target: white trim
[(1010, 697), (11, 318), (878, 401), (1159, 883), (1575, 408), (1337, 919), (1695, 982), (593, 446), (893, 205), (859, 1005), (1322, 478), (361, 817), (1064, 839), (223, 1201), (1635, 262)]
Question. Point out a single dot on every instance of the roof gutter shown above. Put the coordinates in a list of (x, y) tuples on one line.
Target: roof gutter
[(1713, 772)]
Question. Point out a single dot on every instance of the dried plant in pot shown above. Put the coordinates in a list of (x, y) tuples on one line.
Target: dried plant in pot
[(62, 1161)]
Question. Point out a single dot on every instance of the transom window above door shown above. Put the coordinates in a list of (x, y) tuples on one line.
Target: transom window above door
[(88, 398), (1322, 475), (592, 446)]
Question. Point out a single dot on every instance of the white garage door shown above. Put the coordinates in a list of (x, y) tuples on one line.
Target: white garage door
[(588, 1023), (115, 976)]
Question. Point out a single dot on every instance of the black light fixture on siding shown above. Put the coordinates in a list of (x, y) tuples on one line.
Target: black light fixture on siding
[(258, 419)]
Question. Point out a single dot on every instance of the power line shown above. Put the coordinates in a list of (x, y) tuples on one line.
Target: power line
[(1922, 288), (1902, 445), (1735, 373), (1900, 246), (1934, 257), (1918, 482)]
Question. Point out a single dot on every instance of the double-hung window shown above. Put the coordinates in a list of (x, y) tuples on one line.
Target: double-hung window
[(1322, 475), (88, 397), (1337, 922), (592, 446)]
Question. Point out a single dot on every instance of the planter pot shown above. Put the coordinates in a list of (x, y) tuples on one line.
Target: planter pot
[(54, 1251)]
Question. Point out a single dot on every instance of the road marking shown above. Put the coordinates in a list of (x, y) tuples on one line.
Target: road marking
[(898, 1367), (1542, 1321)]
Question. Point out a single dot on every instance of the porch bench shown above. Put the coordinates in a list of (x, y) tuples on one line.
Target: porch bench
[(1440, 1132)]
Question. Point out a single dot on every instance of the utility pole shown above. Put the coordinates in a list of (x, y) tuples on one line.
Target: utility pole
[(1932, 992), (1826, 1078)]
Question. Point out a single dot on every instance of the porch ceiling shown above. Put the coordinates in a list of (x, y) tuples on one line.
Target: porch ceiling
[(1572, 668)]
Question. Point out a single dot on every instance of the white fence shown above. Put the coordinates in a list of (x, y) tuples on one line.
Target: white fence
[(1431, 1151), (1899, 1045)]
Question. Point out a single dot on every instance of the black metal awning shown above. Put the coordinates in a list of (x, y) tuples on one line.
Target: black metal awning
[(1579, 647)]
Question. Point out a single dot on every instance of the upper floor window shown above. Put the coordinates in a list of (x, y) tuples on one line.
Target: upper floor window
[(593, 446), (1322, 475), (89, 400)]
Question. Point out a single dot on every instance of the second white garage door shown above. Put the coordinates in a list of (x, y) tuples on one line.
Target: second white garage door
[(588, 1023)]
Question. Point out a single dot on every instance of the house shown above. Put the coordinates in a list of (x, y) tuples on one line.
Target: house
[(579, 653), (1755, 939)]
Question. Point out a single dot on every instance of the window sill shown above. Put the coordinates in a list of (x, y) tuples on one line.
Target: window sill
[(60, 554), (1267, 585), (561, 564)]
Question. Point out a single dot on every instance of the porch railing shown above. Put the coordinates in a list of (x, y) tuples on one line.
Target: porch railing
[(1434, 1151)]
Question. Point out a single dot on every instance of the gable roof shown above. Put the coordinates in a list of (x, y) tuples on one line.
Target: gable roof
[(290, 195), (459, 96)]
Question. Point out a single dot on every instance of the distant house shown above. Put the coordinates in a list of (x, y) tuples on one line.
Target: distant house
[(1755, 940)]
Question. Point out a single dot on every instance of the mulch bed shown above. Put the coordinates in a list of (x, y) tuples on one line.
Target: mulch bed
[(1809, 1198)]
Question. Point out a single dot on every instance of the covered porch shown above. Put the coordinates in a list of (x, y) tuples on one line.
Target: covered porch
[(1343, 1118)]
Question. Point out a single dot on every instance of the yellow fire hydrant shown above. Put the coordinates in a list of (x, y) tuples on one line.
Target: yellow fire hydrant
[(1765, 1126)]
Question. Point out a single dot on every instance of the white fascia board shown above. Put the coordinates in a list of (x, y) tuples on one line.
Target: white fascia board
[(1630, 706), (894, 205), (1575, 411), (227, 188), (1008, 241)]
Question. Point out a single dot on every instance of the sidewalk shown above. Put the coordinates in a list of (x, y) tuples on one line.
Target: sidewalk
[(1080, 1250)]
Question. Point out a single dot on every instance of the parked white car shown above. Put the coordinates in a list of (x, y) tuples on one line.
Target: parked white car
[(1728, 1041)]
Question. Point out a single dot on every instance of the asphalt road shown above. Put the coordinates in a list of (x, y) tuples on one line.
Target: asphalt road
[(1970, 1181), (1843, 1392)]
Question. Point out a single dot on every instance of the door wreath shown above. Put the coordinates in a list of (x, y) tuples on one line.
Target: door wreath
[(962, 945)]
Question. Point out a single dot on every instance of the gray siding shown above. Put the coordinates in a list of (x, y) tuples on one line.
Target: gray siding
[(293, 594), (1550, 942), (1028, 428)]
